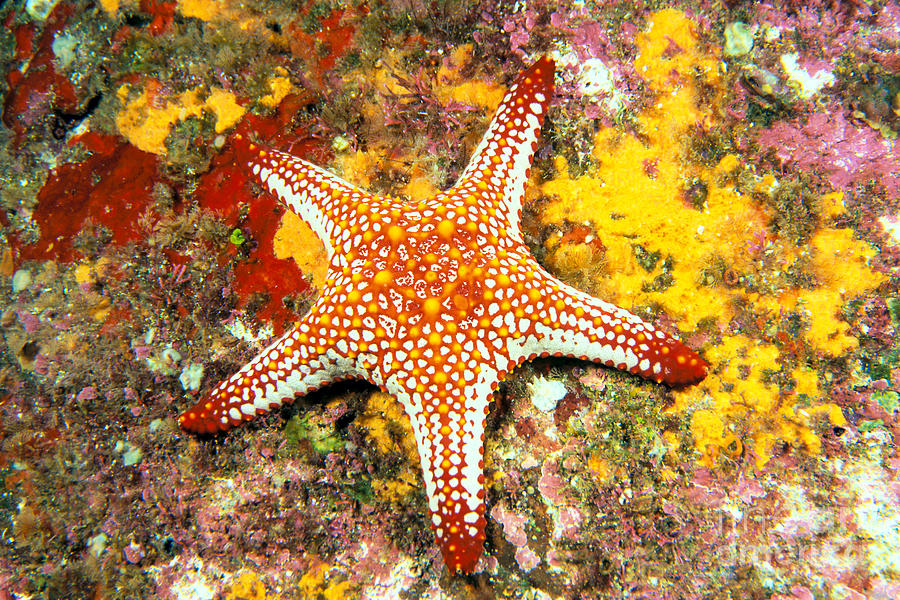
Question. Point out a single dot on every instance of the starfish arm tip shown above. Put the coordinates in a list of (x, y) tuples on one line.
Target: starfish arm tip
[(200, 419), (230, 404), (270, 380), (461, 550), (675, 364), (500, 166)]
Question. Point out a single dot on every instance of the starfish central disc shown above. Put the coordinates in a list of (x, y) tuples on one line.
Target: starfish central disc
[(435, 302)]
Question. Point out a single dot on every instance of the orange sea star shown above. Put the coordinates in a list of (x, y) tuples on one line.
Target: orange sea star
[(435, 302)]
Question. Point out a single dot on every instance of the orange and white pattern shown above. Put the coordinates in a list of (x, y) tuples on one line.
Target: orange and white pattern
[(435, 302)]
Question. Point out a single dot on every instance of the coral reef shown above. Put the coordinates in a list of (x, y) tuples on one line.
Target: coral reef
[(726, 170)]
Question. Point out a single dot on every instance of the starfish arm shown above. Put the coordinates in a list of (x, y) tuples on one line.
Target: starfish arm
[(301, 361), (568, 322), (448, 419), (498, 171), (328, 204)]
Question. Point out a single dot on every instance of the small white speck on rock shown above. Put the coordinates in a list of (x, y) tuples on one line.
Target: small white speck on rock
[(546, 393)]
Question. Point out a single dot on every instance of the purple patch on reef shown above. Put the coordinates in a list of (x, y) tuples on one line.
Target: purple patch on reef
[(831, 146)]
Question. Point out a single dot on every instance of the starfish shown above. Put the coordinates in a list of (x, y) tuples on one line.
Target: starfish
[(435, 302)]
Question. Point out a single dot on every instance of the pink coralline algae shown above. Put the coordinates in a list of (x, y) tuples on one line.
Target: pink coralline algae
[(513, 525), (569, 522), (828, 27), (829, 144), (551, 485), (133, 553), (527, 559), (29, 321), (88, 393)]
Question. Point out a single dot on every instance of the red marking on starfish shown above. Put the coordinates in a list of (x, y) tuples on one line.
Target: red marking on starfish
[(436, 301)]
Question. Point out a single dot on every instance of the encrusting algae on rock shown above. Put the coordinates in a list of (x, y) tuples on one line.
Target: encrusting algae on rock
[(635, 201), (148, 117)]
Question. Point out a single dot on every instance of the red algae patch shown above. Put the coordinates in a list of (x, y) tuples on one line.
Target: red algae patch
[(111, 189)]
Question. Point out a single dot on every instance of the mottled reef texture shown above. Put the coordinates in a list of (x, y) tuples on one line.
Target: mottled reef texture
[(725, 170)]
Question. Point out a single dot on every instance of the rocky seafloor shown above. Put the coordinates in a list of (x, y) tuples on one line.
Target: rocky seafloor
[(726, 170)]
